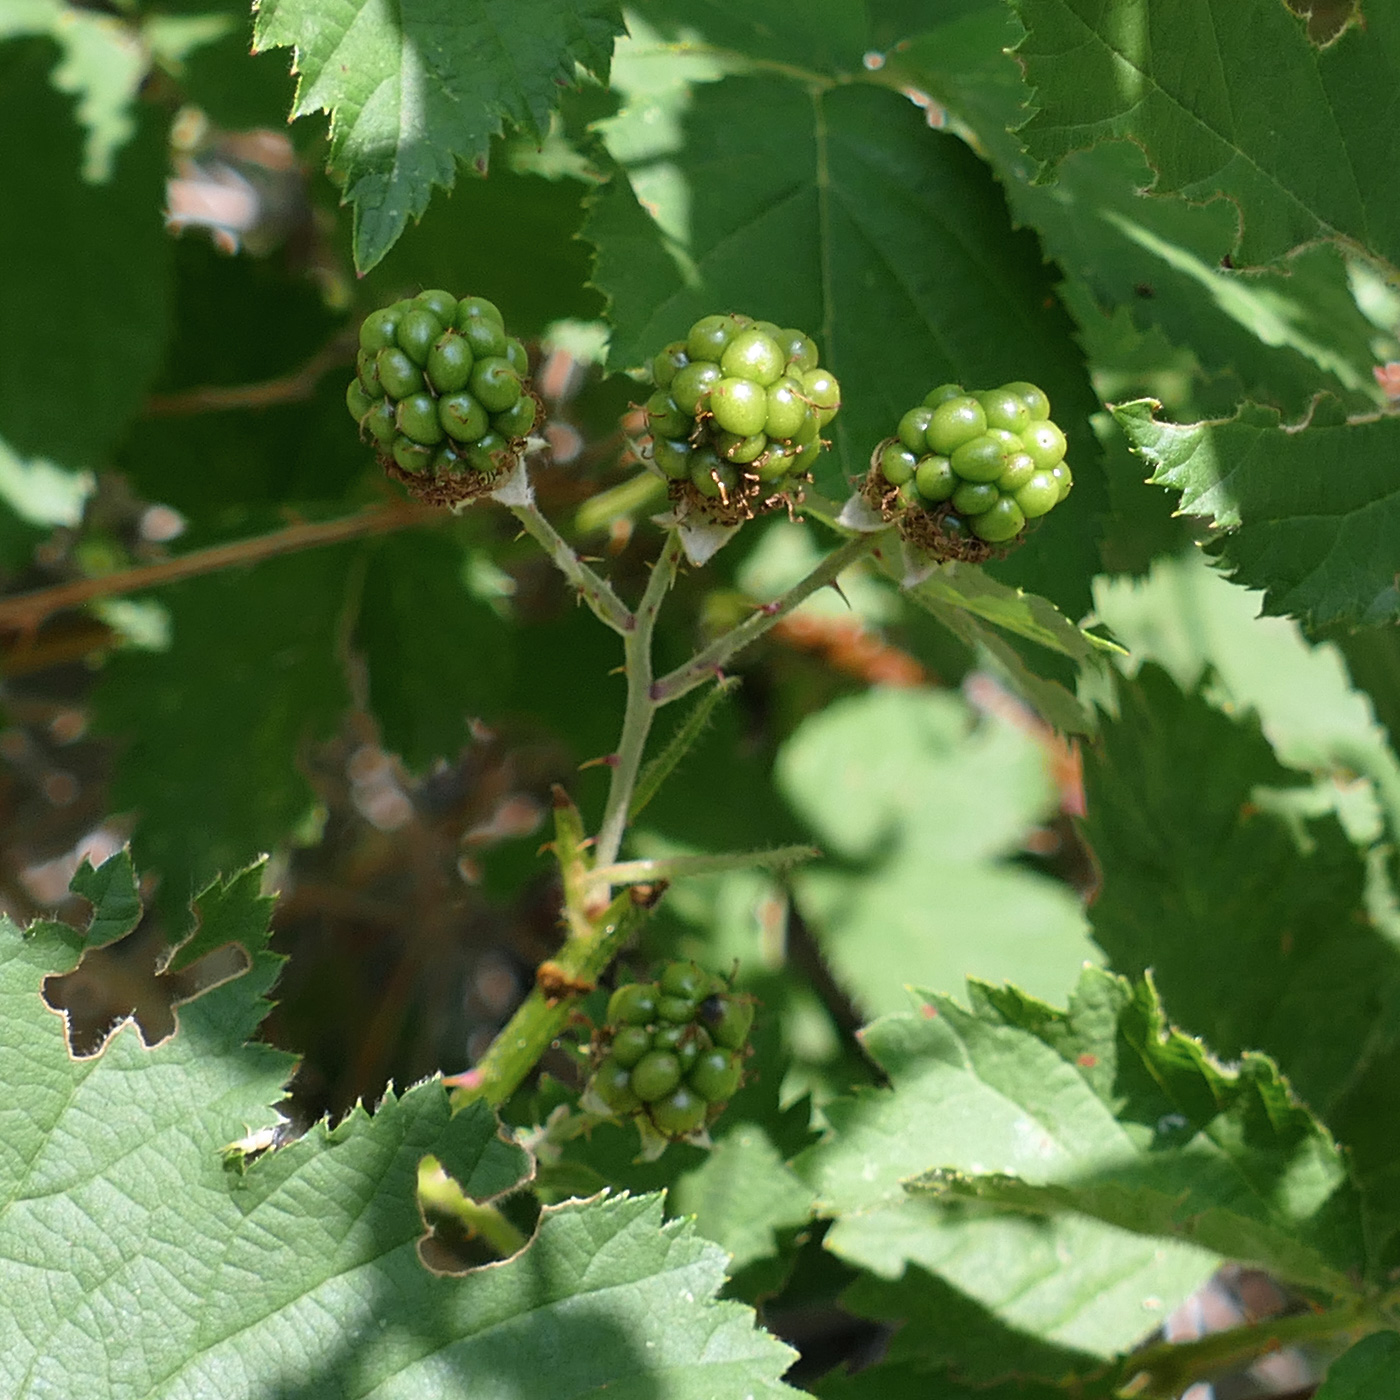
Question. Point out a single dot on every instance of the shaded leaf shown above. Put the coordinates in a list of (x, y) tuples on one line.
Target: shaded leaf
[(825, 35), (84, 269), (1253, 939), (1311, 515), (945, 1331), (437, 656), (1365, 1371), (1252, 917), (1186, 618), (1286, 333), (214, 726), (741, 1195), (415, 88)]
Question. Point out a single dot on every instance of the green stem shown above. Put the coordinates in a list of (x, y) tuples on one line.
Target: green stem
[(641, 708), (439, 1194), (542, 1017), (596, 591), (1168, 1368), (597, 934), (705, 665), (651, 872)]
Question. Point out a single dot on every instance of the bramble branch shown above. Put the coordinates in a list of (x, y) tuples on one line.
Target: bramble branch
[(24, 612), (286, 388)]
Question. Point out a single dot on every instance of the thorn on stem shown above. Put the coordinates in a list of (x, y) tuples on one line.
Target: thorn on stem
[(649, 896), (609, 760), (468, 1079)]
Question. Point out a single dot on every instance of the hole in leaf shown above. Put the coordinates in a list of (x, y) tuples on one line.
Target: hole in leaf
[(127, 981)]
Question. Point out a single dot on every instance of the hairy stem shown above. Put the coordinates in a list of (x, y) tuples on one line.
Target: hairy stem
[(544, 1014), (598, 931), (1168, 1368), (596, 591), (641, 707), (707, 664)]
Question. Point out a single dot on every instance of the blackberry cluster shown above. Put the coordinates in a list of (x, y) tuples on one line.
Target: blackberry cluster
[(737, 415), (444, 393), (672, 1050), (969, 470)]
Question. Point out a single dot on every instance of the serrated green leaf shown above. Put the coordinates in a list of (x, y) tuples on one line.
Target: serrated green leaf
[(1311, 515), (415, 87), (1254, 940), (1253, 917), (213, 727), (241, 906), (183, 1270), (1185, 617), (1365, 1371), (742, 1195), (1287, 333), (111, 890), (459, 248), (972, 589), (983, 1092), (1228, 98), (931, 802), (85, 271), (913, 249)]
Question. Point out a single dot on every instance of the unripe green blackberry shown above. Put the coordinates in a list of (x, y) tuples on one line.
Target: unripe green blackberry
[(667, 1046), (736, 420), (985, 464), (439, 372), (633, 1004), (679, 1113)]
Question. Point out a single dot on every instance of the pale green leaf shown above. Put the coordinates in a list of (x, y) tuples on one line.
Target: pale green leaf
[(103, 65), (41, 493), (187, 1268), (931, 802), (1189, 620), (1229, 97), (982, 1092), (1310, 515), (413, 88), (741, 1195)]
